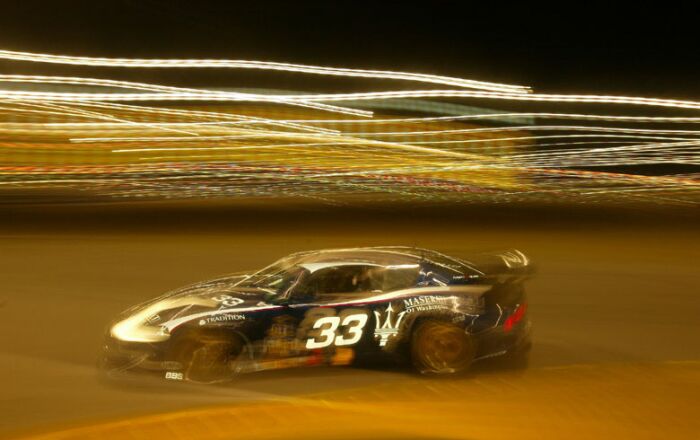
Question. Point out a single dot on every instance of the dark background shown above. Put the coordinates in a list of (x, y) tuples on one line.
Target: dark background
[(574, 47)]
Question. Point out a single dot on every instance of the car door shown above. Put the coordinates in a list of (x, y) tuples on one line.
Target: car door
[(329, 306)]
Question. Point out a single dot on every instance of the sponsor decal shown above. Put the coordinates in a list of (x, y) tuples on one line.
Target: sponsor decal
[(174, 375), (428, 302), (171, 365), (280, 339), (221, 318), (463, 304), (388, 328)]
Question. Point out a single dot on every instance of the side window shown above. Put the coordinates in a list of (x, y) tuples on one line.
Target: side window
[(434, 275), (355, 279), (397, 278), (337, 279)]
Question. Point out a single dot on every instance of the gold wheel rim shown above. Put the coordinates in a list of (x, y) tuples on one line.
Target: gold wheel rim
[(443, 348)]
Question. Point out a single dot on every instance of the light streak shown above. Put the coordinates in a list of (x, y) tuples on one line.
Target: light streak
[(495, 115), (203, 115), (173, 96), (263, 65), (102, 116), (135, 139), (420, 133), (529, 128), (309, 99), (556, 98), (554, 136)]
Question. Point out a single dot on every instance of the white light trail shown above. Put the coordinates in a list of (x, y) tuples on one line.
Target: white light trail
[(262, 65)]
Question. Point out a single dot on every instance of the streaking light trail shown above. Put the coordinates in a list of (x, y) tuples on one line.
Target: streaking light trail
[(126, 139)]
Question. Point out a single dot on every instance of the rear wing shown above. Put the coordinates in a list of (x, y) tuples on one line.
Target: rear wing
[(503, 266)]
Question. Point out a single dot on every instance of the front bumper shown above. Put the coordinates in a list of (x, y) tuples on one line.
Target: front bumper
[(120, 357)]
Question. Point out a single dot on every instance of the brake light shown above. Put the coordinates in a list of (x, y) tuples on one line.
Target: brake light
[(515, 317)]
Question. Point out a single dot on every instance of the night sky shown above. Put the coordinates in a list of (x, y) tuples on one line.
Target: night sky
[(576, 48)]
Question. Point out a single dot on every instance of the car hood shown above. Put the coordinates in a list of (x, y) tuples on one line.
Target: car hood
[(207, 302)]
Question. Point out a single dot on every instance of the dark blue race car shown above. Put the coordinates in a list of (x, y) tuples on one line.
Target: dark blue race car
[(332, 307)]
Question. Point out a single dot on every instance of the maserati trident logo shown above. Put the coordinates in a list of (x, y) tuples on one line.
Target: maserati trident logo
[(388, 328)]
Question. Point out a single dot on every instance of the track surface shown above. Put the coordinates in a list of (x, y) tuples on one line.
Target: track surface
[(603, 296)]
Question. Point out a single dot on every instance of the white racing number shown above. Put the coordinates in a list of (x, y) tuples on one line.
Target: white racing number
[(353, 325), (227, 300), (325, 329)]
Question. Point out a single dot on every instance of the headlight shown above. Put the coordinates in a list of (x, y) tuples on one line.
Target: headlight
[(135, 329)]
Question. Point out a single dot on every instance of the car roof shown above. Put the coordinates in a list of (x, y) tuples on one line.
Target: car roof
[(380, 255)]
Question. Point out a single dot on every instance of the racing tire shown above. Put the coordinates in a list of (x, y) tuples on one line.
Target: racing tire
[(440, 348), (207, 358)]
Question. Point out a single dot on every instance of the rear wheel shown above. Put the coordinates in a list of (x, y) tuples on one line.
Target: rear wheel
[(207, 358), (439, 347)]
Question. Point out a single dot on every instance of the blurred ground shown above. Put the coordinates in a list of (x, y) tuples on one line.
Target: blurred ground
[(581, 402), (614, 298)]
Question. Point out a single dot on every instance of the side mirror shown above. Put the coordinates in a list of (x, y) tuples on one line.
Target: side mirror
[(279, 300), (301, 297)]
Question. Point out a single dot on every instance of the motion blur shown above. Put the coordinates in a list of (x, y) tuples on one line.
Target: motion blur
[(346, 232), (449, 140), (437, 312)]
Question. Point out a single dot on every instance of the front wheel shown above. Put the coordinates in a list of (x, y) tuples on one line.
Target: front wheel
[(439, 347), (207, 358)]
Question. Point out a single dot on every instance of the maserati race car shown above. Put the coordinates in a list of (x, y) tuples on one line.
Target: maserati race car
[(332, 307)]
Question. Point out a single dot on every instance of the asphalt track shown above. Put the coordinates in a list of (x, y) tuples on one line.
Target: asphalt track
[(615, 308)]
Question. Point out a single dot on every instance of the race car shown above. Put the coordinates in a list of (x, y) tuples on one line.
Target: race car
[(419, 307)]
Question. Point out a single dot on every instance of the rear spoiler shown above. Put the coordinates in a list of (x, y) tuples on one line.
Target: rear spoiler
[(504, 266)]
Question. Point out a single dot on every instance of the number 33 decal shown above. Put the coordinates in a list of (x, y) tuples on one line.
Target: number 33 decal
[(327, 326)]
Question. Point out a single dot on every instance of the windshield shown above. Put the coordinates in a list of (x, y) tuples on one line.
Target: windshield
[(276, 279)]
